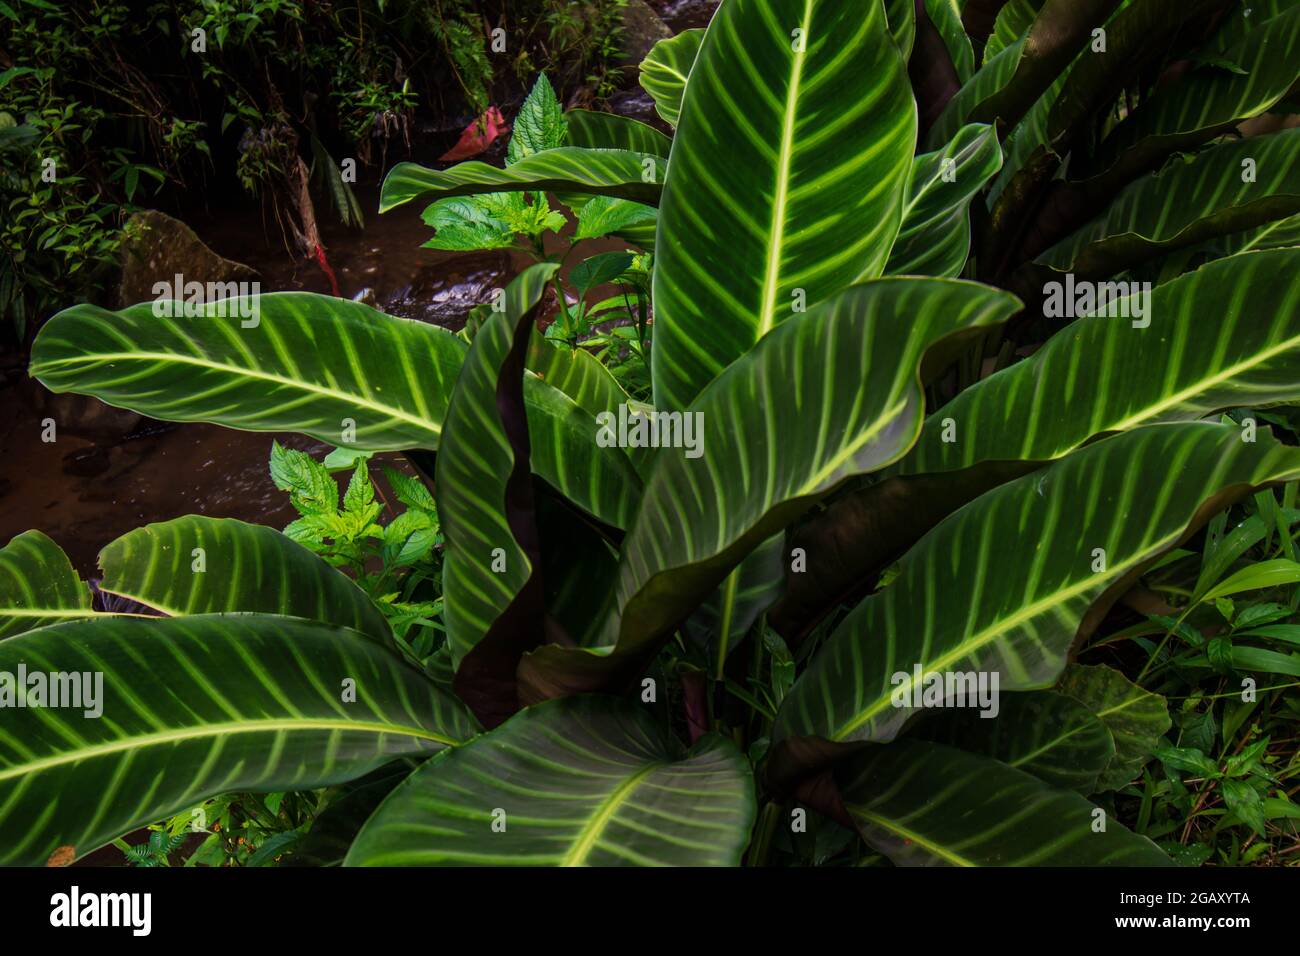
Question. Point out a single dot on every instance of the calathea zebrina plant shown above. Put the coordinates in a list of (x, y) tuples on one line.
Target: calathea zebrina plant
[(946, 344)]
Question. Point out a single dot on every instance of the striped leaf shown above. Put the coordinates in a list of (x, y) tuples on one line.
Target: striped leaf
[(1098, 375), (830, 394), (1012, 23), (924, 804), (1135, 719), (935, 237), (333, 369), (308, 364), (1085, 526), (485, 501), (1215, 192), (946, 17), (592, 130), (589, 781), (201, 565), (901, 16), (722, 621), (196, 706), (599, 172), (989, 78), (577, 373), (665, 69), (1178, 368), (1051, 736), (1209, 101), (38, 585), (796, 220)]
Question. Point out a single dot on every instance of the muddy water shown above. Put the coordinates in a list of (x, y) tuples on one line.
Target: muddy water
[(110, 472)]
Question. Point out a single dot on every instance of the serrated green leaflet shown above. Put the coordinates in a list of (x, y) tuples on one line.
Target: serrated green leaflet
[(201, 565), (754, 241), (935, 236), (38, 585), (665, 69), (924, 804), (1082, 525), (600, 172), (196, 706), (587, 781)]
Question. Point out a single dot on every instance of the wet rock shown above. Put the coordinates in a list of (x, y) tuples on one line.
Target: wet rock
[(443, 294), (160, 247), (642, 29)]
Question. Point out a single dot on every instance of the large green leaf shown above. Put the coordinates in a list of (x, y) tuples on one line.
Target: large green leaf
[(665, 69), (197, 706), (830, 394), (924, 804), (201, 565), (1101, 374), (786, 181), (588, 781), (593, 130), (600, 172), (1177, 368), (1212, 193), (310, 364), (987, 79), (38, 585), (946, 17), (1084, 527), (333, 369), (1209, 101), (577, 373), (935, 236), (1135, 719), (1049, 735)]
